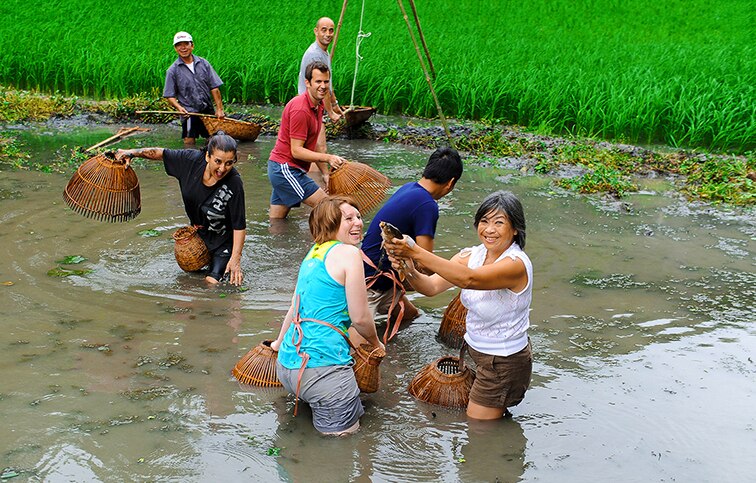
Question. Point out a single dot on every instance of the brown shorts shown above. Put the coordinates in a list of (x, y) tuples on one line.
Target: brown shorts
[(501, 382)]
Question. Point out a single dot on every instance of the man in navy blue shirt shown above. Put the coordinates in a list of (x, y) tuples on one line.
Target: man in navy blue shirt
[(413, 209)]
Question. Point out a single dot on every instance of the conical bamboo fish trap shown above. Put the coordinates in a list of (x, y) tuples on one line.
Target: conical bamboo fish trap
[(191, 252), (445, 382), (366, 185), (453, 327), (366, 361), (104, 189), (258, 366), (237, 129)]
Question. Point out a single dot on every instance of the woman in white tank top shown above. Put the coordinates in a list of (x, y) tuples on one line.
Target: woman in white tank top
[(496, 278)]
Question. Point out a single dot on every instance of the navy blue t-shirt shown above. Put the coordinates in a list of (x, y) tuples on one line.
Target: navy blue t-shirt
[(218, 209), (413, 211)]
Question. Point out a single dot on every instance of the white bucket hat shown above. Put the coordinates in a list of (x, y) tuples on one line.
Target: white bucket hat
[(182, 37)]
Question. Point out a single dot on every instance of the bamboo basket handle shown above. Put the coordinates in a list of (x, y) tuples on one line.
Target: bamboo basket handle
[(462, 356)]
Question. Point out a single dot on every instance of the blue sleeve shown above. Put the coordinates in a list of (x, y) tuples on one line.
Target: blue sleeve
[(169, 90), (425, 219), (215, 80)]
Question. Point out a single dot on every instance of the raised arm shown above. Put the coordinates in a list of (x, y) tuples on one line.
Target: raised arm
[(506, 273), (155, 154)]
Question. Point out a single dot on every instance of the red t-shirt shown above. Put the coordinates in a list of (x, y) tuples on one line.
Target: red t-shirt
[(301, 119)]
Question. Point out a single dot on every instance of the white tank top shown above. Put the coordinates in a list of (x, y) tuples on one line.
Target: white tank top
[(498, 320)]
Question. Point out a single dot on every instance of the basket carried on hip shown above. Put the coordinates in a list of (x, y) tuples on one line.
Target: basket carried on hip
[(191, 252), (237, 129), (104, 189), (366, 185), (452, 329), (258, 366), (444, 382)]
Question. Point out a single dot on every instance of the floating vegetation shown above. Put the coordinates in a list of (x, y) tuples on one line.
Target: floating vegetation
[(125, 332), (149, 393), (143, 360), (71, 260), (64, 272), (148, 233), (73, 323), (104, 348), (615, 280)]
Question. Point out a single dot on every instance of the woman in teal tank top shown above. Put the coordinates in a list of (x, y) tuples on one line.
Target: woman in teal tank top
[(331, 289)]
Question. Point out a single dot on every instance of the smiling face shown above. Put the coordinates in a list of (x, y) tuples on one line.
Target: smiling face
[(219, 164), (495, 231), (350, 229), (184, 50), (318, 86), (324, 32)]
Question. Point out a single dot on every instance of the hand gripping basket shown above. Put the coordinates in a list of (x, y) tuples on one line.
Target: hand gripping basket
[(258, 366), (452, 329), (366, 185), (104, 189), (191, 252), (366, 361), (444, 382)]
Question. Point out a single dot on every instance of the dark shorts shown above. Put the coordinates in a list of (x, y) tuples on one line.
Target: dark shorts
[(501, 382), (219, 262), (193, 127), (331, 392), (290, 185)]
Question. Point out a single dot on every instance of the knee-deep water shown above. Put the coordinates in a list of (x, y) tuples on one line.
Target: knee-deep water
[(642, 326)]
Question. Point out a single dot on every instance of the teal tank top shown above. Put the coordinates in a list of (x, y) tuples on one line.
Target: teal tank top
[(322, 298)]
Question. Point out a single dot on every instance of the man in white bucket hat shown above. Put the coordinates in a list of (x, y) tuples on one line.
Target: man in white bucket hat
[(192, 85)]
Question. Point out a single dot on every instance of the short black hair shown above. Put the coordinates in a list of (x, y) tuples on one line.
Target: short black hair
[(315, 65), (444, 164), (506, 202)]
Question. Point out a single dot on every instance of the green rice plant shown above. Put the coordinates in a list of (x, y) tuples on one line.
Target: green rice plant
[(680, 73)]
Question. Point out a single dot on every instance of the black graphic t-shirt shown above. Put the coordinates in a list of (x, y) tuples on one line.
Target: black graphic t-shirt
[(218, 209)]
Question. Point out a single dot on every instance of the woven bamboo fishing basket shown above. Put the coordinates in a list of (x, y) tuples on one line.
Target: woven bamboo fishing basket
[(445, 382), (258, 366), (366, 185), (104, 189), (452, 329), (191, 252), (357, 115), (240, 130), (366, 361)]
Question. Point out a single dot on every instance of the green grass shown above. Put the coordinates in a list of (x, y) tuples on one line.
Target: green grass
[(643, 71)]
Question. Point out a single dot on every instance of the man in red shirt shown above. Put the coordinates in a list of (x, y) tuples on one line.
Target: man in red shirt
[(295, 148)]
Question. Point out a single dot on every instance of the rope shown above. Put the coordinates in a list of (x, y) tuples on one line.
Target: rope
[(360, 36)]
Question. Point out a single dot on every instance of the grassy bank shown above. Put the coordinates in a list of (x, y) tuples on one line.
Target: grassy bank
[(679, 73), (601, 167)]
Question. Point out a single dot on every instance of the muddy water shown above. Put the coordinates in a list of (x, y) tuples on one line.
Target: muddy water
[(642, 329)]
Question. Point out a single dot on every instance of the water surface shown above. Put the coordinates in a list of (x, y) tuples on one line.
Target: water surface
[(642, 328)]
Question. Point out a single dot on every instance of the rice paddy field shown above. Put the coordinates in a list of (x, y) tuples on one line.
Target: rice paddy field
[(681, 73)]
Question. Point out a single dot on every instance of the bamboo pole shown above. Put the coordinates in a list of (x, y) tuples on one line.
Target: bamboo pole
[(422, 38), (176, 113), (121, 134), (425, 71), (338, 29)]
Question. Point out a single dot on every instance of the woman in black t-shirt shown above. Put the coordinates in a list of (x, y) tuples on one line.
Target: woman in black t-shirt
[(213, 196)]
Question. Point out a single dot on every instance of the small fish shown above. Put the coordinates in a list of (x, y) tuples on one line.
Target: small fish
[(388, 233)]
